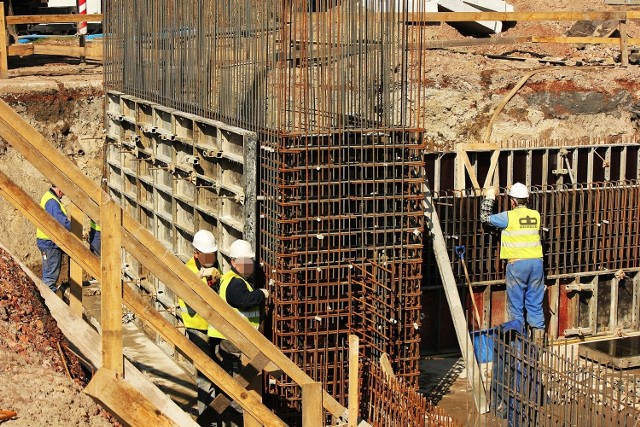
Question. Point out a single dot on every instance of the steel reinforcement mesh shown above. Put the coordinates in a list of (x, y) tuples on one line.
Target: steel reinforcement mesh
[(292, 66), (586, 227), (341, 246)]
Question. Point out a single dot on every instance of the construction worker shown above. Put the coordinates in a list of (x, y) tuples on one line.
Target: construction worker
[(51, 253), (237, 289), (94, 238), (204, 263), (520, 245)]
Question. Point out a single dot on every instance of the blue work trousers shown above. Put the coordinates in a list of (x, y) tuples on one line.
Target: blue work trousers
[(95, 241), (51, 264), (525, 290)]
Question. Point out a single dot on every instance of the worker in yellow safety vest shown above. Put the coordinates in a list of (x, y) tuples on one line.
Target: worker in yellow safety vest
[(521, 247), (95, 240), (51, 253), (237, 289), (204, 264)]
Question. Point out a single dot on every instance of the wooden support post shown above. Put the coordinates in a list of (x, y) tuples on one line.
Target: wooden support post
[(624, 43), (4, 66), (312, 405), (111, 282), (254, 387), (75, 271), (432, 223), (354, 381)]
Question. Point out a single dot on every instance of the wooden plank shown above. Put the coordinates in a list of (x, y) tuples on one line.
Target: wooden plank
[(624, 43), (385, 364), (250, 371), (312, 405), (86, 342), (418, 17), (111, 285), (4, 66), (472, 173), (203, 362), (492, 167), (575, 40), (125, 401), (53, 19), (151, 253), (441, 44), (75, 271), (354, 383), (432, 223), (20, 49), (93, 51)]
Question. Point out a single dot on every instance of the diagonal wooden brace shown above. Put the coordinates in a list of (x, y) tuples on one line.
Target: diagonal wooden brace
[(249, 372)]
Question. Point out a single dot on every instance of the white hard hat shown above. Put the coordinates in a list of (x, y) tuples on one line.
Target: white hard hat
[(205, 242), (519, 191), (241, 249)]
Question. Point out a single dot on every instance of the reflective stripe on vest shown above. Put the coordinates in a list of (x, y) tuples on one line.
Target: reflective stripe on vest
[(521, 238), (252, 314), (196, 321), (43, 202), (95, 226)]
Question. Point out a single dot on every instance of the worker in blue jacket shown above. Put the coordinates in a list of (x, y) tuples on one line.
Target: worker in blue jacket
[(51, 253)]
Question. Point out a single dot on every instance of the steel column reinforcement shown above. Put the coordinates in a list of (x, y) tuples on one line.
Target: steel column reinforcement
[(341, 227)]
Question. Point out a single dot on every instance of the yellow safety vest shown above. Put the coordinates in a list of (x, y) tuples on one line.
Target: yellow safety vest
[(196, 321), (251, 314), (95, 226), (48, 196), (521, 238)]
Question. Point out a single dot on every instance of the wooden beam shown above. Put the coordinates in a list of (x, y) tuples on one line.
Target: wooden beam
[(75, 271), (492, 167), (20, 49), (418, 17), (249, 372), (354, 380), (4, 66), (432, 223), (575, 40), (111, 284), (624, 43), (86, 342), (125, 401), (53, 19), (385, 365), (467, 164), (312, 405), (203, 362), (93, 51), (141, 244), (441, 44)]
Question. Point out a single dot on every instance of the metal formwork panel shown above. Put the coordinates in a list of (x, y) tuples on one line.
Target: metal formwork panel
[(177, 173), (590, 230)]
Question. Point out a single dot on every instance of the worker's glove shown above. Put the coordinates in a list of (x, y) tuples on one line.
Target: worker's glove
[(489, 193), (210, 272), (265, 292)]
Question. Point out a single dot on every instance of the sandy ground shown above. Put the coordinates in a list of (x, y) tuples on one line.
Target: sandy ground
[(40, 378)]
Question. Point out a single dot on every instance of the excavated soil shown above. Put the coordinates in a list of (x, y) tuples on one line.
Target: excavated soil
[(40, 378)]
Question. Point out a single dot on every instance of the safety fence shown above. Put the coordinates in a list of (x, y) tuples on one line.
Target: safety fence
[(531, 384)]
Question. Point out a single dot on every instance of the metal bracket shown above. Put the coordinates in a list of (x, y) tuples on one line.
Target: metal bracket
[(578, 331), (580, 287)]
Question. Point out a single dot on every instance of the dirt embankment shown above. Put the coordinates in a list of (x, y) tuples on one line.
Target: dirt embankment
[(70, 118), (41, 379)]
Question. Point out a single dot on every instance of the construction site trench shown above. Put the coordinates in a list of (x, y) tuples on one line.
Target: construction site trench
[(42, 380)]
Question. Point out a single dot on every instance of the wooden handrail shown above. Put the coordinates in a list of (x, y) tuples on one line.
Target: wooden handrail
[(53, 19), (143, 246)]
